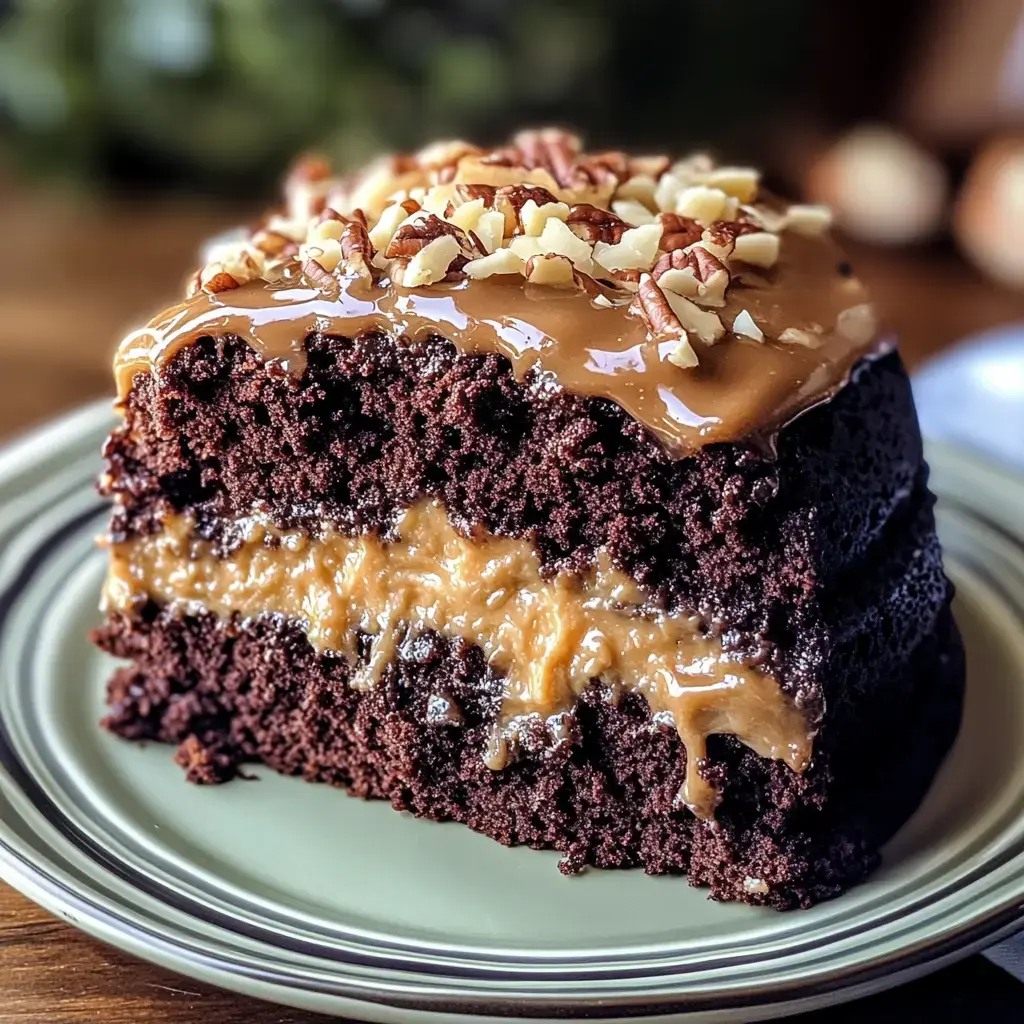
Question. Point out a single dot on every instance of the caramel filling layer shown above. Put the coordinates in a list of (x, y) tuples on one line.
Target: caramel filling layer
[(548, 638), (741, 386)]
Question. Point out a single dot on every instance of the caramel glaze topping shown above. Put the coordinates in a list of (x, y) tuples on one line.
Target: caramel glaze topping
[(740, 388), (548, 638)]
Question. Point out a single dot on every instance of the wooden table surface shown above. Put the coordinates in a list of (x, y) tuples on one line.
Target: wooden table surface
[(73, 278)]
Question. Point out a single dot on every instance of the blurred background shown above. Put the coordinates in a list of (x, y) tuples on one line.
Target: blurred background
[(131, 129)]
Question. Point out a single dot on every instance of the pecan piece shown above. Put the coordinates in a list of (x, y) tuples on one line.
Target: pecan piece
[(469, 193), (356, 250), (411, 238), (214, 279), (651, 305), (318, 275), (696, 274), (677, 231), (593, 224), (550, 149)]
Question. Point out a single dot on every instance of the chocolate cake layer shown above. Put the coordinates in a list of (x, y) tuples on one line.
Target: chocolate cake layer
[(231, 693)]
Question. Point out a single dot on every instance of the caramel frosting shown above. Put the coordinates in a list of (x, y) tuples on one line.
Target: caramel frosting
[(548, 638), (706, 310)]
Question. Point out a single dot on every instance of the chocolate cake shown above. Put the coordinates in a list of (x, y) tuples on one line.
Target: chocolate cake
[(578, 498)]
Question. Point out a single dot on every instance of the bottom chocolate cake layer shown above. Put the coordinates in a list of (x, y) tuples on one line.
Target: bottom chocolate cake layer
[(603, 791)]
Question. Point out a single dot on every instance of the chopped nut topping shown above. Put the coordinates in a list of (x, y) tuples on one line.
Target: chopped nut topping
[(236, 261), (533, 218), (356, 250), (430, 263), (490, 230), (761, 248), (633, 212), (384, 230), (740, 182), (637, 249), (214, 278), (651, 304), (418, 232), (551, 269), (557, 239), (326, 252), (694, 273), (705, 205), (640, 188), (501, 261), (525, 246), (678, 232), (808, 219), (445, 153), (681, 280), (677, 237), (795, 336), (702, 322), (384, 179), (858, 323), (744, 324), (593, 224), (683, 355), (330, 227)]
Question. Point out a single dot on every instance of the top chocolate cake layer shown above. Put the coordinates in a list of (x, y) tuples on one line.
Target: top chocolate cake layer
[(704, 308)]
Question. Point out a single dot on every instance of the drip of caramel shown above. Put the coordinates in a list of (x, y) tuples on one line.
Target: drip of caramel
[(548, 638), (741, 387)]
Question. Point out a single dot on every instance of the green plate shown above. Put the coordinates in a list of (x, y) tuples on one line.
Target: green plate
[(296, 893)]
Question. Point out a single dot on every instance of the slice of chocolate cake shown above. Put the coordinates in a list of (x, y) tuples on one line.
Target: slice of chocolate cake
[(574, 497)]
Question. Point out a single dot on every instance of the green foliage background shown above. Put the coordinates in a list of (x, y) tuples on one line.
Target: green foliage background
[(216, 95)]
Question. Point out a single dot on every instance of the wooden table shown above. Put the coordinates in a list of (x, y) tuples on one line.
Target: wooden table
[(73, 278)]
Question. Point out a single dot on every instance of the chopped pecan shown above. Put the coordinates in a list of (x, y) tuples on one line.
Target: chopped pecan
[(677, 231), (652, 166), (676, 259), (553, 270), (273, 243), (468, 193), (306, 186), (706, 264), (503, 156), (356, 250), (214, 279), (599, 166), (409, 239), (308, 167), (651, 305), (441, 258), (625, 279), (329, 213), (517, 196), (322, 278), (696, 274), (593, 224), (723, 230), (550, 149)]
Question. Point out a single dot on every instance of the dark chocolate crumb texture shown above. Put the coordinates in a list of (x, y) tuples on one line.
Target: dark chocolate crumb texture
[(575, 497)]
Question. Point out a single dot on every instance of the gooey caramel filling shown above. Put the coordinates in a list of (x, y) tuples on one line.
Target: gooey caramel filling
[(549, 638)]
